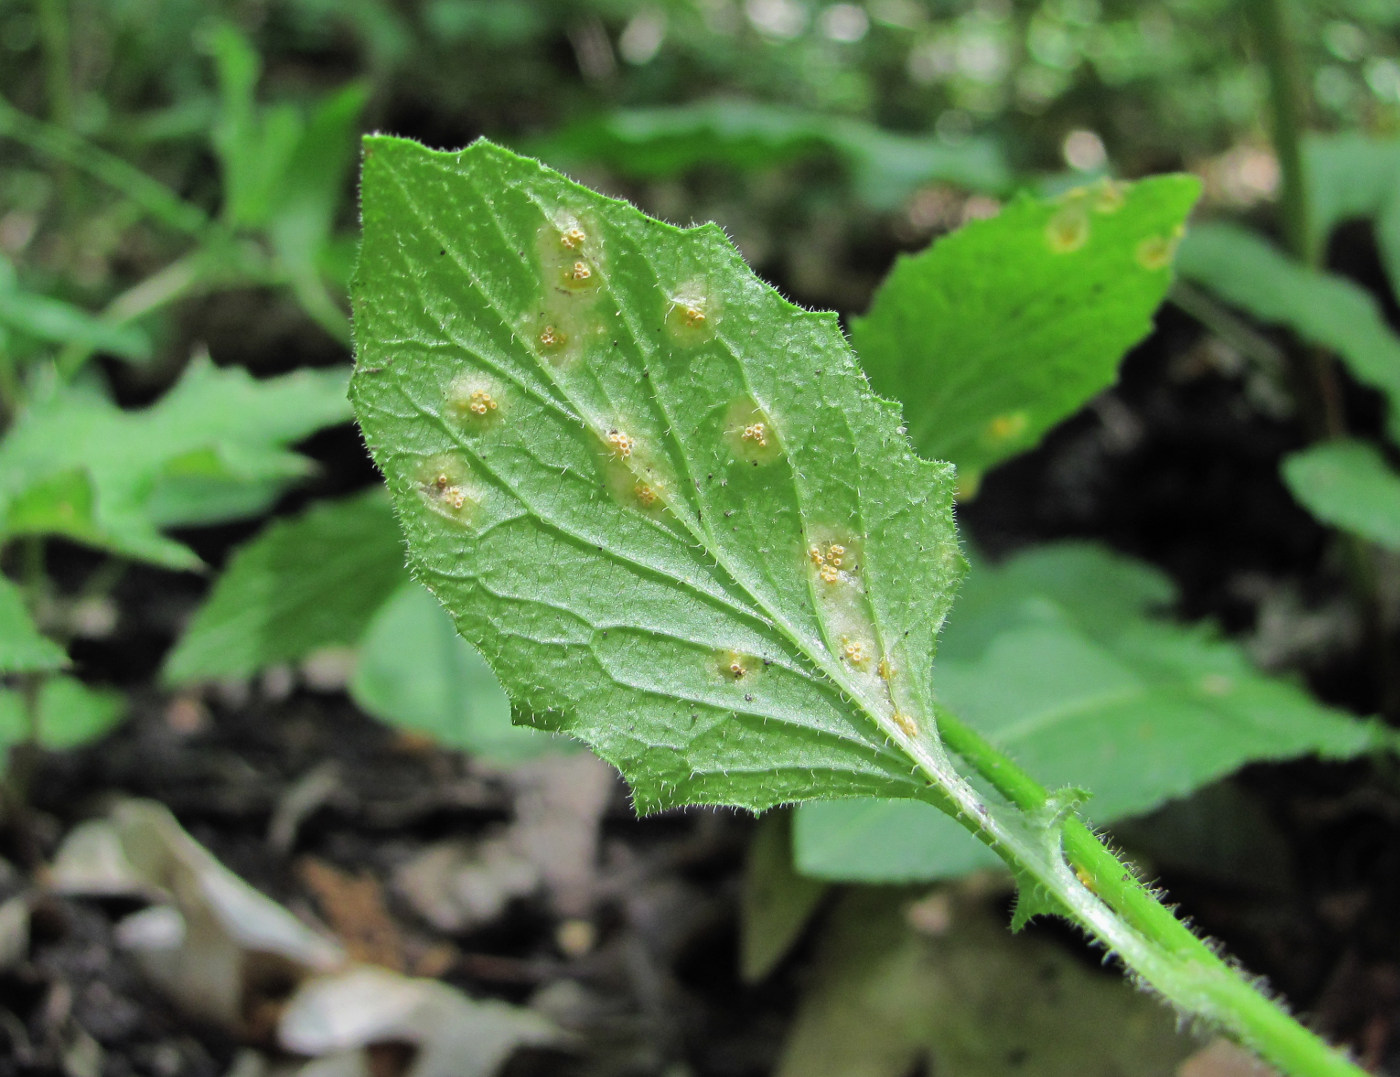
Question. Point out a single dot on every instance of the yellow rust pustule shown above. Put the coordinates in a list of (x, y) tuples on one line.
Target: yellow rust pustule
[(736, 667), (474, 400), (692, 313), (751, 434), (448, 488)]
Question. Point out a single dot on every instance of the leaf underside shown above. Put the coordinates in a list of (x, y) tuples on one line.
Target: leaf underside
[(660, 499)]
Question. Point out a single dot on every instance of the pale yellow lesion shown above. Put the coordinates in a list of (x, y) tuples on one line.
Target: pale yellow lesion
[(1068, 229), (751, 433), (691, 313), (1109, 196), (1006, 427), (1156, 252), (474, 398), (735, 666), (448, 488)]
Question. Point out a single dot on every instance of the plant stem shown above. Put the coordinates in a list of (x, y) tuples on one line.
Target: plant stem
[(53, 28), (1313, 371), (1179, 965)]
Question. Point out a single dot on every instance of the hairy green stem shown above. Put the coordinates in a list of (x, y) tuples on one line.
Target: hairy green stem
[(1171, 960)]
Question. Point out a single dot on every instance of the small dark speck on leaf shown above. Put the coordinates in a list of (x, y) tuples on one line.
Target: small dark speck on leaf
[(442, 252), (748, 698)]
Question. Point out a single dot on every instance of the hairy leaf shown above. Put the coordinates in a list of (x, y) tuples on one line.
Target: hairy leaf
[(1003, 328), (885, 166), (312, 581), (1057, 657), (211, 449), (1349, 485), (23, 648), (659, 499), (1323, 309)]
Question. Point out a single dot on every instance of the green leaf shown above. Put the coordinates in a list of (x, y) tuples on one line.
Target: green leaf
[(1056, 657), (212, 449), (23, 648), (886, 167), (1322, 309), (69, 712), (254, 144), (56, 322), (777, 903), (936, 985), (1348, 485), (631, 535), (416, 673), (1003, 328), (1355, 177), (313, 581)]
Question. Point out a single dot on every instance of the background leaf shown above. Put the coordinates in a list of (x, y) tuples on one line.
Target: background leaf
[(1249, 273), (211, 449), (69, 712), (777, 903), (23, 648), (1003, 328), (414, 672), (1352, 176), (685, 532), (312, 581), (885, 167), (1056, 656), (1348, 485)]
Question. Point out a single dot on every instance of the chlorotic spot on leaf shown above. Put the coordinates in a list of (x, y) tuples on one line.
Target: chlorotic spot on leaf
[(1007, 427), (691, 314), (447, 486), (1108, 197), (1157, 252), (750, 433), (1068, 229)]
